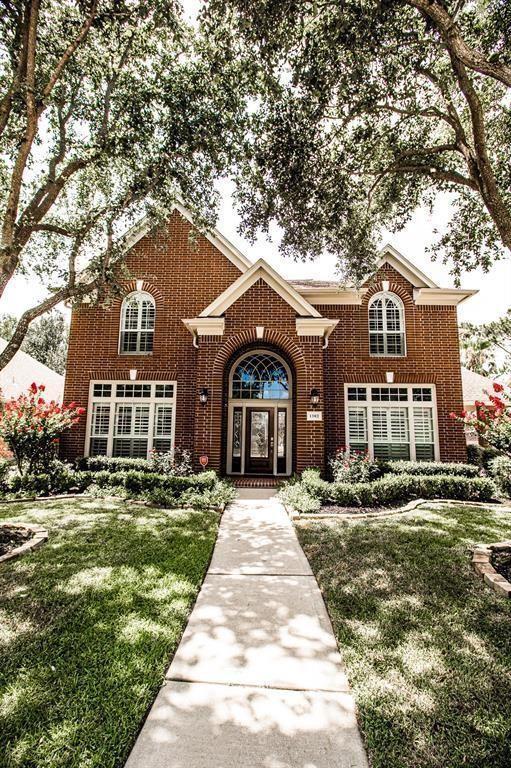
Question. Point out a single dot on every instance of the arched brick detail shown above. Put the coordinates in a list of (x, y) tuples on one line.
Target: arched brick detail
[(405, 296), (131, 287), (249, 336)]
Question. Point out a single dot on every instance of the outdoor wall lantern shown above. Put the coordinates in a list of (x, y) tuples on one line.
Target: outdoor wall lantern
[(314, 396), (203, 395)]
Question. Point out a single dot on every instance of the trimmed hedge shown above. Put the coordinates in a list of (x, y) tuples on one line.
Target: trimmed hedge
[(109, 464), (430, 468), (389, 490), (140, 482)]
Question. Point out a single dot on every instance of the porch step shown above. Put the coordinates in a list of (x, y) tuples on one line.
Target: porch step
[(256, 482)]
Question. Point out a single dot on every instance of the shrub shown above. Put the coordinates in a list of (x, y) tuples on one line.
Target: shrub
[(353, 467), (176, 462), (311, 492), (296, 496), (500, 469), (4, 471), (430, 468), (491, 420), (482, 455), (137, 483), (221, 494), (31, 428), (110, 464)]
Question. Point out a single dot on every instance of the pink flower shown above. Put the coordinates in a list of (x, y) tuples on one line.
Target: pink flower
[(497, 387), (33, 388), (453, 415)]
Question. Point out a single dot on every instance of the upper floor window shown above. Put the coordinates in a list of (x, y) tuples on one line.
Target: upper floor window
[(137, 324), (386, 325)]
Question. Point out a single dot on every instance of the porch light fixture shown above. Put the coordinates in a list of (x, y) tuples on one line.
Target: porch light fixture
[(133, 374), (389, 377), (314, 396), (203, 395)]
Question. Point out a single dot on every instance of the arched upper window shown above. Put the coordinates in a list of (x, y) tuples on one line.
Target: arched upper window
[(137, 324), (386, 325), (260, 375)]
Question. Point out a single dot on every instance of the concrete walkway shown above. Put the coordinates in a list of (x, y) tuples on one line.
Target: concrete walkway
[(257, 681)]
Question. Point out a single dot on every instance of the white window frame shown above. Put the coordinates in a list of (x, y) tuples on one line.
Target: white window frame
[(113, 401), (402, 321), (138, 330), (409, 404)]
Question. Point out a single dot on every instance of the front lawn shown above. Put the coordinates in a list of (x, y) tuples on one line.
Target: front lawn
[(427, 646), (88, 624)]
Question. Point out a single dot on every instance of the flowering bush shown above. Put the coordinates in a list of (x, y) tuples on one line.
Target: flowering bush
[(176, 462), (31, 428), (353, 467), (491, 421)]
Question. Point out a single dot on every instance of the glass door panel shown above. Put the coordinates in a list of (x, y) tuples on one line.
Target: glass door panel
[(259, 440)]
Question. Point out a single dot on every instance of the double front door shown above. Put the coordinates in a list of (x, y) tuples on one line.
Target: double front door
[(259, 440)]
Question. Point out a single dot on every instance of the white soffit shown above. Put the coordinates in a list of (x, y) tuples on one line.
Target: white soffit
[(443, 297), (315, 326), (260, 270), (205, 326)]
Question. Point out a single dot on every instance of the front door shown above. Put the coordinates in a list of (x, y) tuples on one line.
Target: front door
[(259, 441)]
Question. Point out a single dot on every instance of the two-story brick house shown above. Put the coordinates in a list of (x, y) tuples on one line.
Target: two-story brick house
[(264, 376)]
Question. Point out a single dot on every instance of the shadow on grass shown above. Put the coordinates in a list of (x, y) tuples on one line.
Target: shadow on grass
[(427, 645), (88, 624)]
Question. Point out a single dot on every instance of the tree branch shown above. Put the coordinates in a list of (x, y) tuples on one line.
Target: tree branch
[(437, 13)]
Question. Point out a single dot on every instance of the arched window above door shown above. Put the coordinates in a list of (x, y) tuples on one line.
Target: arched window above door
[(260, 376)]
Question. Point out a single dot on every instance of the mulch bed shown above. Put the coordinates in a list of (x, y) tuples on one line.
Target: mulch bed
[(501, 561), (11, 537)]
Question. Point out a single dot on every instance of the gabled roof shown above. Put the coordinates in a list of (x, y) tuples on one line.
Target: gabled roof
[(260, 270), (144, 226), (390, 255), (475, 386)]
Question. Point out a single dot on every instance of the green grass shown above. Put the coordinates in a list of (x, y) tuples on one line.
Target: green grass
[(427, 646), (88, 624)]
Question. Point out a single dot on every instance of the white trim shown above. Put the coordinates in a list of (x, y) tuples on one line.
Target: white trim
[(409, 404), (398, 300), (276, 404), (443, 297), (138, 330), (260, 270), (334, 296), (113, 400), (390, 255), (209, 326), (315, 326)]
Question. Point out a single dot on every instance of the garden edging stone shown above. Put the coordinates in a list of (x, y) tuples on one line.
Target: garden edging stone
[(40, 537), (481, 563)]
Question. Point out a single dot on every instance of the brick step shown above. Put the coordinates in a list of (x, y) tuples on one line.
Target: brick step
[(256, 482)]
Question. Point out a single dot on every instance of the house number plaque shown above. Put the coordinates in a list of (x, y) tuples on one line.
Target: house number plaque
[(314, 415)]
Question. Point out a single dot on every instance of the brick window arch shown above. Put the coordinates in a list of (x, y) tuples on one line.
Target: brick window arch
[(138, 314), (386, 325)]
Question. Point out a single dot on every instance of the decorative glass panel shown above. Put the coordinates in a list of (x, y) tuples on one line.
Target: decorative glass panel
[(281, 434), (260, 376), (236, 432), (259, 437)]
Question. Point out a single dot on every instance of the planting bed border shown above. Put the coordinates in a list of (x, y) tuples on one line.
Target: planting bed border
[(481, 563), (40, 537), (294, 515)]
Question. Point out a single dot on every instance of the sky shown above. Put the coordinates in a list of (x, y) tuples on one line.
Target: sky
[(494, 287)]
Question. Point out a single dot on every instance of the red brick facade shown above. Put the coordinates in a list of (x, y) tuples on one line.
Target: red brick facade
[(184, 278)]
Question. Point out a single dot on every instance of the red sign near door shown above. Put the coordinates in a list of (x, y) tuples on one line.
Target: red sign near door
[(203, 460)]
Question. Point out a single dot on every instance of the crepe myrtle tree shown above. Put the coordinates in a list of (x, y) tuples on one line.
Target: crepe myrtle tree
[(365, 110), (491, 420), (109, 109)]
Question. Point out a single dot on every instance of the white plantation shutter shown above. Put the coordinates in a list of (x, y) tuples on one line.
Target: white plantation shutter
[(357, 425)]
